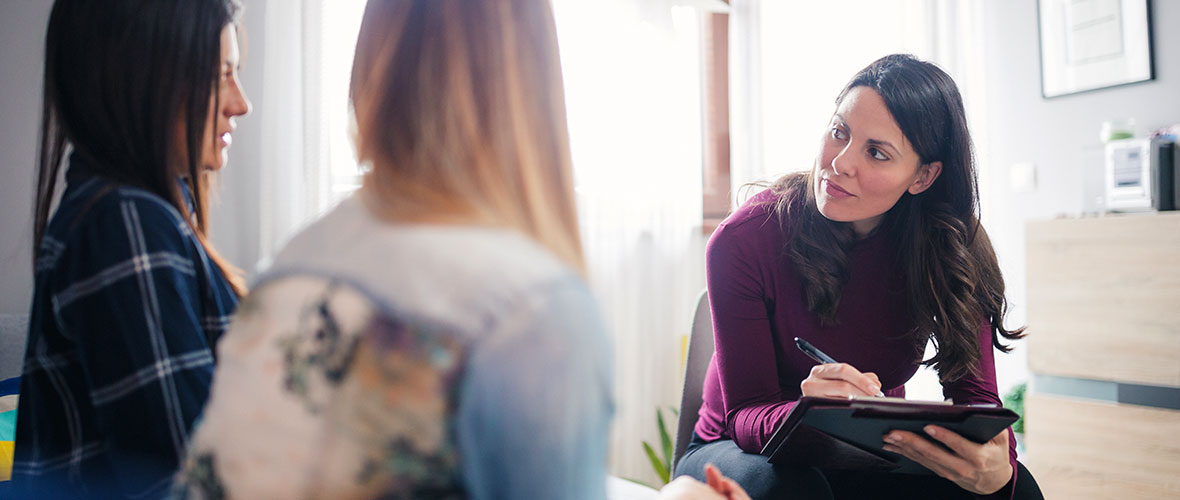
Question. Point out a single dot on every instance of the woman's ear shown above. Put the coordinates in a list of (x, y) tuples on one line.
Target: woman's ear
[(926, 175)]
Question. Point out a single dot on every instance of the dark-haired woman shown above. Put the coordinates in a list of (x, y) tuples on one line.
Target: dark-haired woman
[(872, 253), (129, 296)]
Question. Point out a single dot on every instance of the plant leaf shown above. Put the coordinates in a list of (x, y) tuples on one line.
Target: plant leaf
[(661, 470), (665, 440)]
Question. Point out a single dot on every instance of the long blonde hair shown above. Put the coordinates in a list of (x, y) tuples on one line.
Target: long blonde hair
[(460, 112)]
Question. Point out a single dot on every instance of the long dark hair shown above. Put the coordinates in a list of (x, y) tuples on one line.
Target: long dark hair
[(952, 278), (119, 78)]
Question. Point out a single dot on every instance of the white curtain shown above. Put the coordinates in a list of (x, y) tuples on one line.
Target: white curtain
[(745, 98), (307, 162), (292, 166), (633, 91)]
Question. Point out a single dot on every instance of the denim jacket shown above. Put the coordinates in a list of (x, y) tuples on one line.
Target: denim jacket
[(408, 361)]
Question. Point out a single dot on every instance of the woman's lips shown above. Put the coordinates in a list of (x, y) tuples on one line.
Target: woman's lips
[(226, 140), (836, 191)]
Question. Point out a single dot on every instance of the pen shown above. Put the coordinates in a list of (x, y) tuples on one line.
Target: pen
[(818, 355)]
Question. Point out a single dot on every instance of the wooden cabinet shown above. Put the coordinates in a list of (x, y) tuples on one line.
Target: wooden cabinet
[(1104, 318)]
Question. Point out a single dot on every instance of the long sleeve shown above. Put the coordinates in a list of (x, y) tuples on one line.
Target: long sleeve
[(130, 303), (980, 388), (745, 352), (536, 403)]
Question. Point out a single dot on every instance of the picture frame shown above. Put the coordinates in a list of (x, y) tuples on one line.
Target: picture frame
[(1088, 45)]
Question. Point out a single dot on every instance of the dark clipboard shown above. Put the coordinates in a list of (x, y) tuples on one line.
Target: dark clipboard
[(846, 433)]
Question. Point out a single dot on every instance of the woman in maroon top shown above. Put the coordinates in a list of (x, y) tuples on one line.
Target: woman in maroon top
[(872, 253)]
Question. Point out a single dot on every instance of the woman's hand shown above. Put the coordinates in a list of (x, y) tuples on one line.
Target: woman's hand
[(978, 468), (839, 380), (718, 488), (727, 487)]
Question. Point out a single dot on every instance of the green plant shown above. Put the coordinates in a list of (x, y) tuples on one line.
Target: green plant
[(662, 464), (1014, 400)]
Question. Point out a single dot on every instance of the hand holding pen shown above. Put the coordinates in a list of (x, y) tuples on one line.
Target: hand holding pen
[(834, 379)]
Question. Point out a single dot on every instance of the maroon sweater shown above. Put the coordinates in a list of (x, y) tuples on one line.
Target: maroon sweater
[(756, 297)]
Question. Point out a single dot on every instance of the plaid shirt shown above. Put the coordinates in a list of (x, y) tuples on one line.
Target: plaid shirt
[(127, 309)]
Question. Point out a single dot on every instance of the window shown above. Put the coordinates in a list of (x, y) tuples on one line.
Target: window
[(715, 106), (341, 21)]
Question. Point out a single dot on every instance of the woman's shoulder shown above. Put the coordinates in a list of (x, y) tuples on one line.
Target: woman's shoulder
[(439, 270), (124, 207), (350, 236), (102, 223), (758, 219)]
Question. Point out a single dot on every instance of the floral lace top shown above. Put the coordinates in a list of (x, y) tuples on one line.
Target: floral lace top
[(424, 376)]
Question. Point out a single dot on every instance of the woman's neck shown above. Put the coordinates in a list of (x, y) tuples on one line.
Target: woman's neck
[(381, 208), (864, 228)]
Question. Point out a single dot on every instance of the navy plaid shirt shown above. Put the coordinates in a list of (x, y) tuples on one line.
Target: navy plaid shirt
[(127, 309)]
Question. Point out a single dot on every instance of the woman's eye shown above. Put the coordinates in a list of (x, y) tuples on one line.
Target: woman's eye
[(837, 133), (877, 154)]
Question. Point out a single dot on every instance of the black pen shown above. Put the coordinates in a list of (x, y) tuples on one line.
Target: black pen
[(818, 355)]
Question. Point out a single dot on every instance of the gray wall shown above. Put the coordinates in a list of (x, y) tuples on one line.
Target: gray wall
[(22, 35), (1059, 135)]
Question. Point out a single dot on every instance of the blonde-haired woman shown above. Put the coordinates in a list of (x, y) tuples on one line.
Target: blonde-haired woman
[(432, 336)]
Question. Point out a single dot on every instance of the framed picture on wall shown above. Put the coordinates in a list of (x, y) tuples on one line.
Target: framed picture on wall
[(1093, 44)]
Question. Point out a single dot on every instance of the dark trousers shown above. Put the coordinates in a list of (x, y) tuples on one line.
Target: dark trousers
[(767, 481)]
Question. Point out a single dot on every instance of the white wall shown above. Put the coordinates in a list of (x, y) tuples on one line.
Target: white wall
[(22, 38), (1059, 135)]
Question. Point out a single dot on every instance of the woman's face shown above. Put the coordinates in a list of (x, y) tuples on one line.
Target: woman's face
[(227, 104), (866, 163)]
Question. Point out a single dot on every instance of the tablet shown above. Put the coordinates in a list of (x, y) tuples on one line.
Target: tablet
[(846, 433)]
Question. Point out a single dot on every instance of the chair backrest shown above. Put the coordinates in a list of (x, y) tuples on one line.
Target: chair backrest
[(700, 351), (14, 331)]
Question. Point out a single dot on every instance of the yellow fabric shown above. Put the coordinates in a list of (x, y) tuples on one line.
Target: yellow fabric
[(683, 352), (6, 448)]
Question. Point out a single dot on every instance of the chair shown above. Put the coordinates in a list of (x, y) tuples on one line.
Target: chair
[(700, 351)]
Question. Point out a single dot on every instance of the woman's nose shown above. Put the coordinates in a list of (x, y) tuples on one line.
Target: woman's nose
[(843, 164), (239, 104)]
